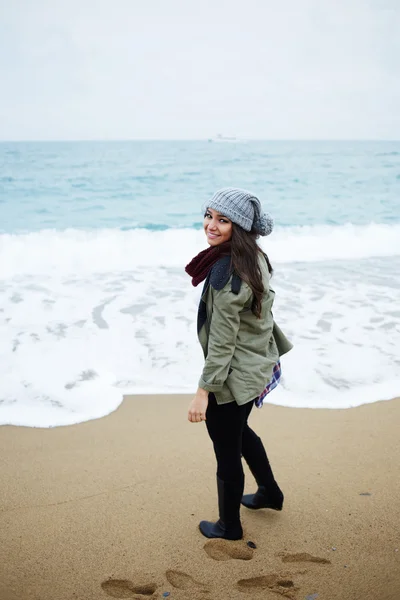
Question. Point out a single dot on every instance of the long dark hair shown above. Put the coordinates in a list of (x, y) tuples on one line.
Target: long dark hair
[(244, 249)]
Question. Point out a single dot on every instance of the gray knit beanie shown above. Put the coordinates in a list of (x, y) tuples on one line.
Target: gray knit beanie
[(242, 208)]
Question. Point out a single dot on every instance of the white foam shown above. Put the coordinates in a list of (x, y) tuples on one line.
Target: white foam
[(72, 345), (81, 252)]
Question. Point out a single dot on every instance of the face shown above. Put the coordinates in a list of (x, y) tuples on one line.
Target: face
[(217, 228)]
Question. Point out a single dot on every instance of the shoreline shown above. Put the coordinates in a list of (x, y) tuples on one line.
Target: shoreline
[(188, 396), (88, 508)]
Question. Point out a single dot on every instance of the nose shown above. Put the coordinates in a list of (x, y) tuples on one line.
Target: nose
[(212, 225)]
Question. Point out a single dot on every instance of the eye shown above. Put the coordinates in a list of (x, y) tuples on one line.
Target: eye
[(224, 221), (207, 215)]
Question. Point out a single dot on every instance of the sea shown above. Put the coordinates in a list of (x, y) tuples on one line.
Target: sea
[(95, 302)]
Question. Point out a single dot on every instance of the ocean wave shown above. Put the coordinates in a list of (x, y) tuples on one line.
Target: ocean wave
[(104, 250), (393, 153)]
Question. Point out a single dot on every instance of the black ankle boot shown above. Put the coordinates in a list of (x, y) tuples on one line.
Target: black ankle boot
[(220, 530), (228, 525), (262, 499)]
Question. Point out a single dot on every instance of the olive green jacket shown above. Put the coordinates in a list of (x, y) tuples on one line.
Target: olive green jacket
[(240, 350)]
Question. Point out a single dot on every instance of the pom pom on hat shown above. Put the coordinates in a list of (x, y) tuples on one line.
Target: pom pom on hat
[(264, 225)]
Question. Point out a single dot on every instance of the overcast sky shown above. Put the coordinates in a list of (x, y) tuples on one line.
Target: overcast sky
[(188, 69)]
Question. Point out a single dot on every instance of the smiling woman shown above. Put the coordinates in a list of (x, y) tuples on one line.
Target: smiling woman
[(242, 347)]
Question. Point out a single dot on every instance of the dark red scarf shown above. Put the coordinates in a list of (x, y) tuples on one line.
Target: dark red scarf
[(200, 265)]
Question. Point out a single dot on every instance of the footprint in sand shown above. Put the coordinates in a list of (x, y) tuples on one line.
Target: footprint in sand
[(123, 588), (302, 557), (183, 581), (280, 584), (223, 550)]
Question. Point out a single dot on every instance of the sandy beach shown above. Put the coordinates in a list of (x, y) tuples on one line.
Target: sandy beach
[(110, 508)]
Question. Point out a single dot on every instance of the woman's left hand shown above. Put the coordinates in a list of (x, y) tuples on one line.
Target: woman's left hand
[(198, 407)]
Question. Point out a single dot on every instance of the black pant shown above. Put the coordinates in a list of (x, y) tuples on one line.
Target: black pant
[(232, 438)]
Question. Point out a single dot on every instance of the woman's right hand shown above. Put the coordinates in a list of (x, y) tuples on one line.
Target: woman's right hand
[(198, 407)]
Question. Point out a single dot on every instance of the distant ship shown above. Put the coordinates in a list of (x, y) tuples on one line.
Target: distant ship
[(224, 138)]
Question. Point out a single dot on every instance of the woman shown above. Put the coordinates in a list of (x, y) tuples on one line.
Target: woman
[(242, 346)]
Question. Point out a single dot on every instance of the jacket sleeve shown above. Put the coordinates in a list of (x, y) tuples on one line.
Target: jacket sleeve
[(223, 332)]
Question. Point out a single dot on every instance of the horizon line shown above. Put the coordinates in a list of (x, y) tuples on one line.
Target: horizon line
[(208, 140)]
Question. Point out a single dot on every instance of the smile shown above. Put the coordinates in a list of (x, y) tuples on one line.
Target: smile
[(212, 235)]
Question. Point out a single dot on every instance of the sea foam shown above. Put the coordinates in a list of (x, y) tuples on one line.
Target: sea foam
[(104, 250), (87, 316)]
